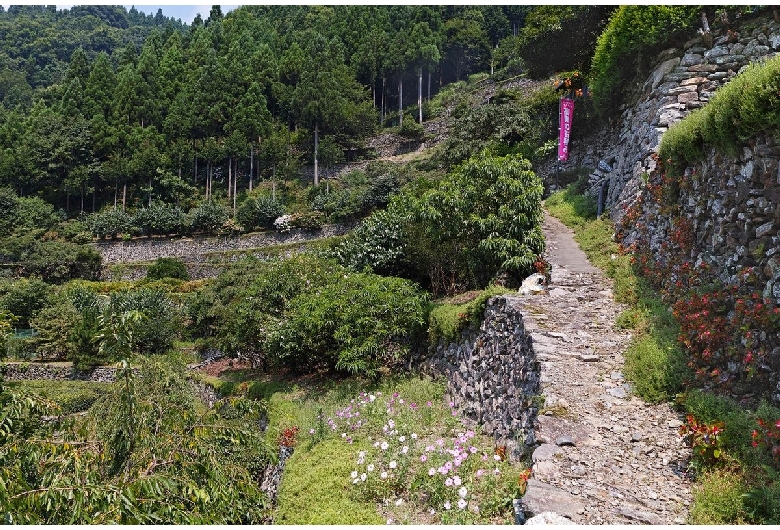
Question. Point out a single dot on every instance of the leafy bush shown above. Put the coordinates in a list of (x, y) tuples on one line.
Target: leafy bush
[(306, 311), (158, 219), (23, 298), (167, 268), (109, 222), (376, 243), (411, 129), (207, 217), (54, 324), (161, 320), (59, 261), (145, 440), (356, 323), (632, 38), (258, 212), (481, 221)]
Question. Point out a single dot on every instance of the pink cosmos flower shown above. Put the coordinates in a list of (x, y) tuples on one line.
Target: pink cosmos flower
[(431, 472), (462, 504)]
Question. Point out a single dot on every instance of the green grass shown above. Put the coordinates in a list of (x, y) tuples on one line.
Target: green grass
[(314, 489), (317, 486), (451, 316), (71, 396), (655, 363)]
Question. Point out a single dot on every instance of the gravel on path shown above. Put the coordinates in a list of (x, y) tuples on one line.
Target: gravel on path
[(606, 456)]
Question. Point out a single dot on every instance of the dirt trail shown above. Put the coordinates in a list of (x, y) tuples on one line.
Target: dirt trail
[(607, 457)]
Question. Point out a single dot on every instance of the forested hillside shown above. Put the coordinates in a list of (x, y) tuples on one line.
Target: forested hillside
[(102, 106), (132, 131)]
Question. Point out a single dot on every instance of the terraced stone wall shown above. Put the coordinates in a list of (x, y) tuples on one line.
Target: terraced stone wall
[(493, 375)]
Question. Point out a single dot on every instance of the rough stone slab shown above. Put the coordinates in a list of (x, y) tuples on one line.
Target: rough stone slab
[(546, 452), (547, 519), (632, 512), (541, 497)]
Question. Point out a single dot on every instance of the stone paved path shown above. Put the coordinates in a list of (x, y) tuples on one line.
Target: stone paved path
[(607, 457)]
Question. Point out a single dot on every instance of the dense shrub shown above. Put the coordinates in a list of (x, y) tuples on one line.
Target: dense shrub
[(109, 222), (207, 217), (167, 268), (376, 243), (54, 324), (481, 221), (258, 212), (306, 311), (354, 324), (160, 322), (158, 219), (59, 261), (23, 298), (633, 37)]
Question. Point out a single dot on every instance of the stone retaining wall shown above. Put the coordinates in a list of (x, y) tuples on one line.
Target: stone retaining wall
[(683, 79), (195, 249), (493, 375), (31, 371)]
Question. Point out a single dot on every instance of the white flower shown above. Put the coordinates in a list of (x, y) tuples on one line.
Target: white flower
[(353, 474), (462, 504), (384, 446), (447, 505), (463, 492), (414, 436), (402, 439), (399, 502), (370, 468), (497, 458), (405, 449), (456, 480), (433, 512), (383, 474), (355, 481), (343, 435), (371, 397), (392, 464), (363, 477), (391, 423), (431, 472), (389, 521), (362, 454)]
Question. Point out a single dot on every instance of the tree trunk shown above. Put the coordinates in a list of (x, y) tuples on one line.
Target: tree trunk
[(116, 191), (124, 195), (235, 184), (150, 192), (230, 177), (429, 85), (419, 93), (400, 101), (195, 162), (273, 182), (382, 110), (316, 146), (251, 164)]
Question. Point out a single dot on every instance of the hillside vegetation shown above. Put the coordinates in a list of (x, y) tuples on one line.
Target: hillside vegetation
[(117, 126)]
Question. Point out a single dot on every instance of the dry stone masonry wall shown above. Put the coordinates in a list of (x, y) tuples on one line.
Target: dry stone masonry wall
[(682, 80), (493, 376)]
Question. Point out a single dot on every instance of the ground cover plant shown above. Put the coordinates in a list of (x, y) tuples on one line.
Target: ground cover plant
[(364, 454)]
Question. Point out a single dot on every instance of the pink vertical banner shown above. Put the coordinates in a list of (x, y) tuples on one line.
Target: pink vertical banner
[(564, 132)]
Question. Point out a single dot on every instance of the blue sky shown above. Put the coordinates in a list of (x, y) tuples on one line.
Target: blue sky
[(185, 12)]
